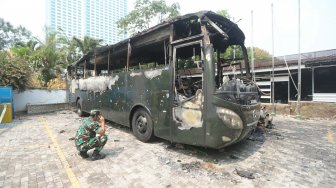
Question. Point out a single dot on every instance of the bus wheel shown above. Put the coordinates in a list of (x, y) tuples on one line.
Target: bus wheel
[(142, 125), (79, 110)]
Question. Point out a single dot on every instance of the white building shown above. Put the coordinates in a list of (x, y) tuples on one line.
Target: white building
[(94, 18)]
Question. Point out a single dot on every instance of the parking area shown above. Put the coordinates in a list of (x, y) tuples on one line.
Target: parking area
[(37, 151)]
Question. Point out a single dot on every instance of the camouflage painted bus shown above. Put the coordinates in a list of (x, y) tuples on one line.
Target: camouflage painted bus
[(169, 81)]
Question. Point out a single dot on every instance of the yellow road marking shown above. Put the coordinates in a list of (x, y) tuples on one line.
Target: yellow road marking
[(72, 177), (23, 147), (330, 136)]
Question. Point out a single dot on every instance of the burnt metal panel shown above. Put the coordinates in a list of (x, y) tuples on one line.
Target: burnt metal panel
[(162, 31)]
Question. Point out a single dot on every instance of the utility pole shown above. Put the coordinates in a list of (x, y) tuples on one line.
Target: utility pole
[(252, 50), (272, 83), (234, 47), (298, 105)]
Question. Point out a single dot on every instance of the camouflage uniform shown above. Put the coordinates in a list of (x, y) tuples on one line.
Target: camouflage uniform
[(86, 136)]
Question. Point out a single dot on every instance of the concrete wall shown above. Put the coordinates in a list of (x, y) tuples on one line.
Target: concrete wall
[(37, 96), (45, 108)]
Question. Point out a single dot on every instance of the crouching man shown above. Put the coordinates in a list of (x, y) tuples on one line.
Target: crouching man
[(91, 134)]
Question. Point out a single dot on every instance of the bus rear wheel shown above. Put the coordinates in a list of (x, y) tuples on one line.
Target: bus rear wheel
[(79, 110), (142, 125)]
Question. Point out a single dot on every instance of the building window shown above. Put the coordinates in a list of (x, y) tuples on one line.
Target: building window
[(324, 79)]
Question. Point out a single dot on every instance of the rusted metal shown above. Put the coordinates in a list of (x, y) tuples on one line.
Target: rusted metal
[(219, 68), (217, 28), (129, 48)]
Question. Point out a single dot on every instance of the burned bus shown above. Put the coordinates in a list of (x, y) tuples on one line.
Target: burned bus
[(168, 82)]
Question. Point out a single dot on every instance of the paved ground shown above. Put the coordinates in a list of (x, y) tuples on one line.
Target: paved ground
[(35, 151)]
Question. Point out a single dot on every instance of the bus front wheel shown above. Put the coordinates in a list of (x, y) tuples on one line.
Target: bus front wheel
[(142, 125)]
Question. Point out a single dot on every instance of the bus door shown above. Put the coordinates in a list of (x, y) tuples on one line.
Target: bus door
[(188, 95), (163, 104)]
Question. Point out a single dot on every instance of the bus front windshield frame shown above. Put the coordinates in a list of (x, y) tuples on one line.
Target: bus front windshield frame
[(232, 72)]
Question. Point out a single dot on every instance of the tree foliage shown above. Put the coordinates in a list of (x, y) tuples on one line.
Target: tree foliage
[(86, 45), (260, 54), (10, 35), (57, 52), (146, 12), (224, 13), (14, 71), (235, 51), (28, 62)]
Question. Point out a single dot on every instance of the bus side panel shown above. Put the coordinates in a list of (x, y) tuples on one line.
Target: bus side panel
[(150, 89), (136, 88), (114, 104), (83, 99), (160, 101)]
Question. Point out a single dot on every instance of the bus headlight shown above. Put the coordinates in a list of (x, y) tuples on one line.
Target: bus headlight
[(230, 118)]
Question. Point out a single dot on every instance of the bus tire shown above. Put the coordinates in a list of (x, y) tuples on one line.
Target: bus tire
[(79, 110), (142, 125)]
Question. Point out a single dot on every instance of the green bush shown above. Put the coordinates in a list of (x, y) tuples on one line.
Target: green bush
[(14, 71)]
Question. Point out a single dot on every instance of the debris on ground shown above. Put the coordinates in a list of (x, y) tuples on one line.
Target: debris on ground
[(61, 131), (179, 146), (116, 140), (245, 174), (257, 135), (265, 120), (278, 135), (186, 167), (72, 138), (168, 146)]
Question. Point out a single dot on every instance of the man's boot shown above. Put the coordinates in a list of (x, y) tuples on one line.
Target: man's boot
[(96, 155), (83, 154)]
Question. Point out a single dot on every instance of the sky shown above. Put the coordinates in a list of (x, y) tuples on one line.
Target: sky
[(318, 20)]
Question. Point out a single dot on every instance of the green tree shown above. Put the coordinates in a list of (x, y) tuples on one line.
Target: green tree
[(224, 13), (85, 45), (146, 12), (14, 70), (72, 49), (16, 47), (10, 35), (259, 54), (48, 58), (26, 61), (235, 51)]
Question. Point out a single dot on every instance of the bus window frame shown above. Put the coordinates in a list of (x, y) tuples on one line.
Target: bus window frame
[(181, 45)]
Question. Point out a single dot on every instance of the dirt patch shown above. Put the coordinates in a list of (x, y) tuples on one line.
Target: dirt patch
[(309, 110), (208, 166)]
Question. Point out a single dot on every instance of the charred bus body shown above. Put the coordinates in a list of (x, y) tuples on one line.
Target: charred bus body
[(168, 82)]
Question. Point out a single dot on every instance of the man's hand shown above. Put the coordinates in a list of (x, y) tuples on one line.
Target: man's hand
[(101, 119), (102, 126), (101, 132)]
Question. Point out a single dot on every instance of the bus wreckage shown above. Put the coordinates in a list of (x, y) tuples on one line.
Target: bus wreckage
[(168, 82)]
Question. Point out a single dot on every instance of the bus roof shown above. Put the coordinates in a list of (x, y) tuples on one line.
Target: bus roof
[(162, 31)]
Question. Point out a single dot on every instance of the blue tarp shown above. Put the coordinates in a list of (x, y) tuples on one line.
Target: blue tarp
[(6, 96)]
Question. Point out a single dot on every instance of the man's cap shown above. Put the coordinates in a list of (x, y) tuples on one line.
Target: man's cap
[(94, 112)]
